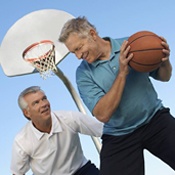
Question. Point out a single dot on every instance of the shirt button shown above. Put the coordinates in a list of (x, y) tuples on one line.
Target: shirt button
[(114, 68)]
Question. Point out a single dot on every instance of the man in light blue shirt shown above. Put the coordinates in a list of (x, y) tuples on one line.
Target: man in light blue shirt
[(124, 99), (133, 98)]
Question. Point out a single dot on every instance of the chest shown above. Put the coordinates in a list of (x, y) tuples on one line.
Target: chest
[(56, 144), (108, 71)]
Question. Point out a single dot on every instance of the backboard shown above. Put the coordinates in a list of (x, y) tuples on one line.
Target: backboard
[(36, 26)]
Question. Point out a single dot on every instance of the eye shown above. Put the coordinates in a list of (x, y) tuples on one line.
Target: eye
[(44, 98), (35, 103), (79, 48)]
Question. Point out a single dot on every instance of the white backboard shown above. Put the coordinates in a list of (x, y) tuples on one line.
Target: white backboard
[(36, 26)]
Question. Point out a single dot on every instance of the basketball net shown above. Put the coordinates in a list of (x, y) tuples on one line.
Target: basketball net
[(41, 55)]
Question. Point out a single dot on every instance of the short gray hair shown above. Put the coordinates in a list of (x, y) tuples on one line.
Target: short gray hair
[(80, 26), (21, 102)]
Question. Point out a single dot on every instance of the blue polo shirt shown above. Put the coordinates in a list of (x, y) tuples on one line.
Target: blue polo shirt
[(139, 100)]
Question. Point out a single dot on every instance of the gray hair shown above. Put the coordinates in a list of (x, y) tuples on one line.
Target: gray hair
[(80, 26), (21, 102)]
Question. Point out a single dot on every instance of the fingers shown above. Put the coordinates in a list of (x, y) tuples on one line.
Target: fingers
[(130, 56), (163, 39), (124, 58), (167, 54), (125, 48), (164, 43), (166, 49)]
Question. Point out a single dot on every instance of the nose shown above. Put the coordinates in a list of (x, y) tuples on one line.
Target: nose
[(44, 103), (78, 54)]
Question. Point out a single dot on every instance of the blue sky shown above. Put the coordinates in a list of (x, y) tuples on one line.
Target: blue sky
[(111, 18)]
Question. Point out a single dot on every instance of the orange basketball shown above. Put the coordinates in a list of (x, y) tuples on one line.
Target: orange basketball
[(147, 49)]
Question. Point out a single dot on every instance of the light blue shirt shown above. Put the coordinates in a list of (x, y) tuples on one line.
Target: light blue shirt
[(139, 101)]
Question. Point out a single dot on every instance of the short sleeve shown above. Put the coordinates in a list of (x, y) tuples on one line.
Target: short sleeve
[(89, 91)]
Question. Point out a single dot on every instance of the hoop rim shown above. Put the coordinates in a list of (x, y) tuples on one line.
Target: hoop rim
[(34, 45)]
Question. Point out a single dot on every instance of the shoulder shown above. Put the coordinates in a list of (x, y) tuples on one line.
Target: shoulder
[(70, 119), (67, 116), (84, 65), (64, 113), (23, 131), (119, 41)]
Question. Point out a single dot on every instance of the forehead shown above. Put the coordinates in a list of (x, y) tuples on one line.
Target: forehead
[(32, 96), (74, 40)]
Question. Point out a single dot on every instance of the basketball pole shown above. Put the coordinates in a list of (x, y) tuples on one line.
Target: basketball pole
[(77, 101)]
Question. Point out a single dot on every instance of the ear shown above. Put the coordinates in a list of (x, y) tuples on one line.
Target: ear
[(26, 113), (93, 33)]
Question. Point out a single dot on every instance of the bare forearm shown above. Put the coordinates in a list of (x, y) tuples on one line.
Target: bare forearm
[(165, 71), (109, 102)]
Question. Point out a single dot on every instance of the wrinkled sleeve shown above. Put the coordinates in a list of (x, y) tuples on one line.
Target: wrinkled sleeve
[(82, 123), (88, 125)]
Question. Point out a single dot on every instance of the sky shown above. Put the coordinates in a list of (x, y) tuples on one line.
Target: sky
[(111, 18)]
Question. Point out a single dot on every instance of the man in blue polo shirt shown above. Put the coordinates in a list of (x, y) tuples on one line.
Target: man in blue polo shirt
[(125, 100)]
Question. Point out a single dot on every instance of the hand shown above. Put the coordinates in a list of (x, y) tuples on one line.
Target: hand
[(166, 49), (125, 57), (165, 70)]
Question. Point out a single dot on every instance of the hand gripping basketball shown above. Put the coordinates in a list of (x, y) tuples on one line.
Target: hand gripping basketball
[(147, 51)]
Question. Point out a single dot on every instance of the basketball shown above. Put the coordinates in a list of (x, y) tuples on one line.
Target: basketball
[(147, 51)]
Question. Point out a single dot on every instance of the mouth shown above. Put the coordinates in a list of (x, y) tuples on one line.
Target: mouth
[(45, 110), (85, 56)]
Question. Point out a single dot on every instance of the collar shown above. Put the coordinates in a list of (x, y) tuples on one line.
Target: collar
[(56, 127), (115, 47)]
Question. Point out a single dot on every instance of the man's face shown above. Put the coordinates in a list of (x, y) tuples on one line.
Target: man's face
[(38, 109), (84, 48)]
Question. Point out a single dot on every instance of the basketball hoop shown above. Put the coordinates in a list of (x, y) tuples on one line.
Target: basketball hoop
[(41, 55)]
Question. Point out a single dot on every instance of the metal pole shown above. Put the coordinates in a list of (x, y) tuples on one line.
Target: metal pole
[(77, 100)]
